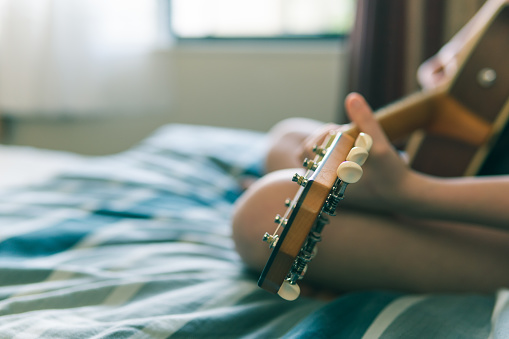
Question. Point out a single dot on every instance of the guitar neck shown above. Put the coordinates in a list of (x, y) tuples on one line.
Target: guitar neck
[(403, 117)]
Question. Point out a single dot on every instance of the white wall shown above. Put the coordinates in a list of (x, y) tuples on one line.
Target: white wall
[(233, 84)]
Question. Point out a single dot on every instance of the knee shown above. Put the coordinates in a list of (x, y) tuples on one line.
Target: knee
[(254, 214), (294, 128), (285, 140), (248, 233)]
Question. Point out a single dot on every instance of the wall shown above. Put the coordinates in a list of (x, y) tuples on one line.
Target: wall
[(245, 85)]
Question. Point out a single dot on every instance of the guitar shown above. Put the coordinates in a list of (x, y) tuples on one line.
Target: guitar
[(450, 115)]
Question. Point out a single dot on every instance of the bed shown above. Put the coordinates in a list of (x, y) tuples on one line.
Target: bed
[(137, 245)]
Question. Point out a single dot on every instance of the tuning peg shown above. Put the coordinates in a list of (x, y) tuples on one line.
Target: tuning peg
[(364, 140), (289, 291), (349, 172), (310, 164), (358, 155), (270, 239), (300, 179), (288, 202), (280, 220), (319, 150)]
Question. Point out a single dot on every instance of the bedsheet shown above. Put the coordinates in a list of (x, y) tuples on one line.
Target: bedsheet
[(26, 165), (137, 245)]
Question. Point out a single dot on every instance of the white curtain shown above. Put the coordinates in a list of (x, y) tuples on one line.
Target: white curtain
[(72, 57)]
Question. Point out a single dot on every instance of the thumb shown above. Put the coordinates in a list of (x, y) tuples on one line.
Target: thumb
[(361, 115)]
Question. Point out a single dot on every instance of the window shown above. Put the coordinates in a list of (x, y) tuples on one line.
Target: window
[(261, 18)]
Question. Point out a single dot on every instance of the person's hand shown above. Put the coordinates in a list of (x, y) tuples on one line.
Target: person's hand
[(386, 178)]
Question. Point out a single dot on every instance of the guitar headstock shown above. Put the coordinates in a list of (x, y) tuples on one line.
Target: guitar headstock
[(336, 164)]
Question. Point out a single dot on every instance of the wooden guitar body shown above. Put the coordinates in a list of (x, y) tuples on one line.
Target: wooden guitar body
[(472, 111), (452, 128)]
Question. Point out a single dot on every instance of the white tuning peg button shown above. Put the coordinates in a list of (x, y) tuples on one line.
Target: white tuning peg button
[(349, 172), (289, 291), (364, 140), (358, 155)]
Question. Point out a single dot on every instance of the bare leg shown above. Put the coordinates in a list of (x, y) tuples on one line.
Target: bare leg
[(366, 250), (361, 250)]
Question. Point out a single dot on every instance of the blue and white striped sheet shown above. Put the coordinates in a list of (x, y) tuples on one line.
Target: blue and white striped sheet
[(137, 245)]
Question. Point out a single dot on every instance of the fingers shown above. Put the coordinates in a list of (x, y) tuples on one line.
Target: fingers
[(361, 114), (431, 73), (317, 138)]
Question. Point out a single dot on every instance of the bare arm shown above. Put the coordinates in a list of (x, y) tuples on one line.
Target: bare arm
[(481, 201), (390, 185)]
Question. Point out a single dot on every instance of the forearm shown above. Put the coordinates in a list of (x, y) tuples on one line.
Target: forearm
[(477, 200)]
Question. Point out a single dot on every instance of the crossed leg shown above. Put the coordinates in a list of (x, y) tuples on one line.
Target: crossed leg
[(362, 249)]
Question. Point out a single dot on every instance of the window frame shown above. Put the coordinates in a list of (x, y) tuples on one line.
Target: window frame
[(283, 38)]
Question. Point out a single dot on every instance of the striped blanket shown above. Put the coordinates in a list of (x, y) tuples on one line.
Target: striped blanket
[(137, 245)]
